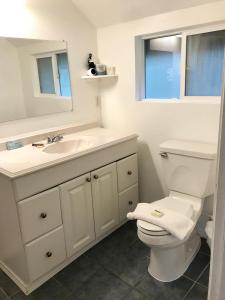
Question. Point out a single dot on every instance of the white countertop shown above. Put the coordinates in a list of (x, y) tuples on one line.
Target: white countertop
[(28, 159)]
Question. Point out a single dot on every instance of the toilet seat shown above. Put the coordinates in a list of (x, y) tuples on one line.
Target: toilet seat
[(175, 203), (151, 229)]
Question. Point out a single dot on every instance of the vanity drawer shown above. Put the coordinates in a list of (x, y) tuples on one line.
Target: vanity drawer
[(127, 170), (128, 201), (39, 214), (45, 253)]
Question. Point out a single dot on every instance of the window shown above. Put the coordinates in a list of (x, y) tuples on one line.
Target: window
[(182, 65), (204, 65), (53, 75), (162, 67), (45, 73)]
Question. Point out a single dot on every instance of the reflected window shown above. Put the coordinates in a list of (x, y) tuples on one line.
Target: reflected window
[(45, 73), (64, 75), (53, 74)]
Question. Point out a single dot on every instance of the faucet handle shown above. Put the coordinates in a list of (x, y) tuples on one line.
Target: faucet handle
[(60, 137), (54, 138), (49, 139)]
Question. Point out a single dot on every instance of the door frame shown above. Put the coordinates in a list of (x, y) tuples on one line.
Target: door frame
[(217, 270)]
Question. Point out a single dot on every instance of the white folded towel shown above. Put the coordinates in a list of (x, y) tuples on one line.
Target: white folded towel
[(157, 213)]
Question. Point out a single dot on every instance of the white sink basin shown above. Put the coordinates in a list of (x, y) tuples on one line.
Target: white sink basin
[(67, 146)]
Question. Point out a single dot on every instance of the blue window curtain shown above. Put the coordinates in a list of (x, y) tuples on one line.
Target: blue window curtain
[(204, 64)]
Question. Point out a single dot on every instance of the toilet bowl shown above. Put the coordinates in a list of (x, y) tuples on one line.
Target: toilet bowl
[(209, 232), (189, 169), (170, 257)]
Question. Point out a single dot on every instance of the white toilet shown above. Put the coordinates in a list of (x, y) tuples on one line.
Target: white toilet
[(189, 169), (209, 232)]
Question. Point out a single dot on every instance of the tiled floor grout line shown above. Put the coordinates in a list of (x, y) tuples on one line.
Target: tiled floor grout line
[(60, 283), (72, 292), (195, 282), (133, 287), (7, 296), (189, 278), (115, 275), (17, 292), (202, 272), (188, 291), (204, 254), (202, 285)]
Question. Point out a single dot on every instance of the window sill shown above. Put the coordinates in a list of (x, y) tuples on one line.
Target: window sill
[(50, 96), (186, 100)]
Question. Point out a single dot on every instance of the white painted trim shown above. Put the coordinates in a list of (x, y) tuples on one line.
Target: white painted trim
[(217, 270), (98, 76), (186, 100), (55, 74), (204, 29), (51, 96), (139, 69), (183, 65), (139, 59)]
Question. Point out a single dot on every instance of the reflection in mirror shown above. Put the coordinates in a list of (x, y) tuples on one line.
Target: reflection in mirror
[(34, 78)]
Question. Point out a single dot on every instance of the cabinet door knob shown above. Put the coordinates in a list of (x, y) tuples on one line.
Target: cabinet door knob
[(88, 179), (130, 202), (43, 215), (129, 172), (49, 254), (95, 176)]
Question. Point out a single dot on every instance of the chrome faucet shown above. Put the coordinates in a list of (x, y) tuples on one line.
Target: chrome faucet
[(54, 138)]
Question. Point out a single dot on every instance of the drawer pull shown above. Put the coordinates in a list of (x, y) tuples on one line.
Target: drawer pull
[(129, 172), (49, 254), (95, 176), (43, 215), (130, 202), (88, 179)]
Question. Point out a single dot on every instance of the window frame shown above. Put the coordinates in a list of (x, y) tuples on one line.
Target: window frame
[(140, 64), (37, 86)]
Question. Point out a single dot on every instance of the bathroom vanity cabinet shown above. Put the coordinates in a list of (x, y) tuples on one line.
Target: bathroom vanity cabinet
[(51, 216)]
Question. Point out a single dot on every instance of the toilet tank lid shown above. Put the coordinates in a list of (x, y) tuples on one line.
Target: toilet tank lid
[(190, 148)]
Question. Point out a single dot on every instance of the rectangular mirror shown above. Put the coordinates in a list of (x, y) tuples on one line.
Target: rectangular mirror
[(34, 78)]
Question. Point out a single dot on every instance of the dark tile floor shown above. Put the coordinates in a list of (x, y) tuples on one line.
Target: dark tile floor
[(116, 269)]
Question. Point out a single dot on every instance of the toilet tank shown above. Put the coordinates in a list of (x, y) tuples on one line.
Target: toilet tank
[(189, 167)]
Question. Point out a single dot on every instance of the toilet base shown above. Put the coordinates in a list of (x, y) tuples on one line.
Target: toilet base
[(168, 264)]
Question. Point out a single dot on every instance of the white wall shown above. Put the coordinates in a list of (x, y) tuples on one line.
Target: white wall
[(11, 91), (155, 122), (57, 20)]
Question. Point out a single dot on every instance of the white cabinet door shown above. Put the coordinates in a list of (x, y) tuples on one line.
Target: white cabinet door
[(105, 198), (77, 212)]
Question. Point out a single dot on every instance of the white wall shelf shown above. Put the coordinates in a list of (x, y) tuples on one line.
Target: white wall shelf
[(99, 77)]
